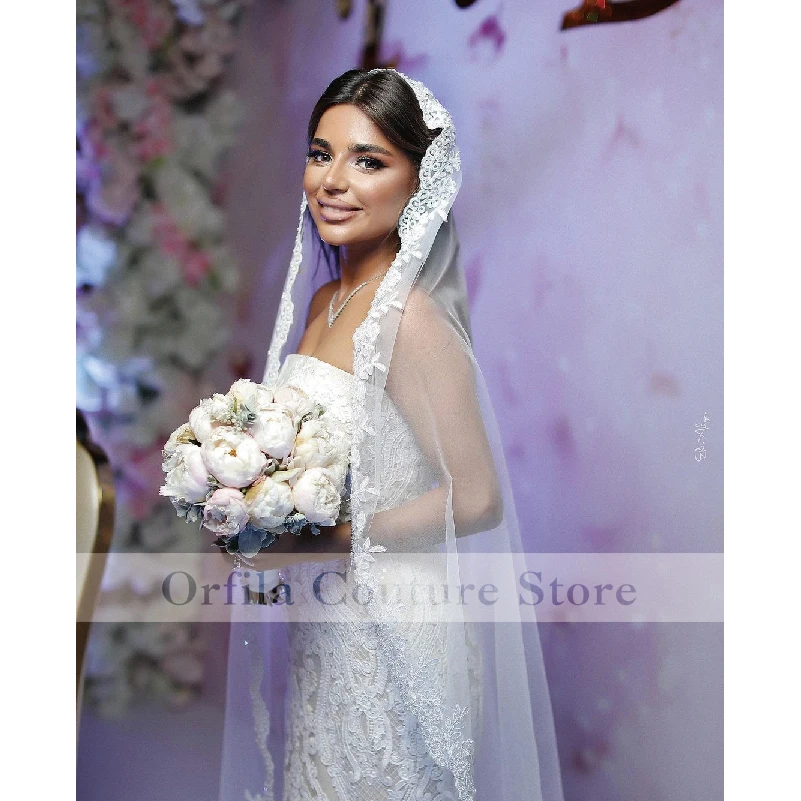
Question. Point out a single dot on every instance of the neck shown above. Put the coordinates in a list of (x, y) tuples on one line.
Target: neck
[(357, 264)]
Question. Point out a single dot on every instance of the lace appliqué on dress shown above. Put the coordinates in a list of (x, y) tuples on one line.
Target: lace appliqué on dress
[(350, 736)]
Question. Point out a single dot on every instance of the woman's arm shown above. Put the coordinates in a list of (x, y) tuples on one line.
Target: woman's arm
[(431, 380)]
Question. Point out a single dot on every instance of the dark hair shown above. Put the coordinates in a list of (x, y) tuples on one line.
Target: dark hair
[(388, 100)]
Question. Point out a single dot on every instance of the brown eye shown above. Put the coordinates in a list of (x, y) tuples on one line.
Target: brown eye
[(370, 163), (316, 155)]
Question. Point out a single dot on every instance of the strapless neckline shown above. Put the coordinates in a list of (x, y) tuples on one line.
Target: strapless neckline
[(319, 361)]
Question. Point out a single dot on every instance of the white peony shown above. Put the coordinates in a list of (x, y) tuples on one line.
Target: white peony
[(201, 422), (249, 393), (183, 435), (269, 502), (233, 457), (297, 401), (274, 430), (339, 473), (187, 478), (226, 512), (320, 444), (315, 495)]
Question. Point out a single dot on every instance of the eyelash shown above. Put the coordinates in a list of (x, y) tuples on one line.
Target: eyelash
[(376, 163)]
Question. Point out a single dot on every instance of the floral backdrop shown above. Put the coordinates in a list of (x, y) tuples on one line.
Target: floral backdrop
[(154, 272)]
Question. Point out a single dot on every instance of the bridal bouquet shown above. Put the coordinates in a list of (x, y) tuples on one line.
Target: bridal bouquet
[(257, 462)]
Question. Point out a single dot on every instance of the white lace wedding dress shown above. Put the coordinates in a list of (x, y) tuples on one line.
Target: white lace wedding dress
[(349, 736)]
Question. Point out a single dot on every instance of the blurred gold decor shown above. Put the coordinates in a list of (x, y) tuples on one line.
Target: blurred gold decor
[(593, 12)]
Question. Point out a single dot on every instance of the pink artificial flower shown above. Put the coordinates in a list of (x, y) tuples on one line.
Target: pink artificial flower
[(225, 512), (153, 20), (171, 241), (153, 130), (114, 190), (103, 109)]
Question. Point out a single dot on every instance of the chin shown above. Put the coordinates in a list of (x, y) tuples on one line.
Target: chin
[(331, 236), (335, 235)]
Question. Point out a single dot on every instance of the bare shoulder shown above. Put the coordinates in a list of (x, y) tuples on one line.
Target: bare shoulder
[(424, 325), (421, 314)]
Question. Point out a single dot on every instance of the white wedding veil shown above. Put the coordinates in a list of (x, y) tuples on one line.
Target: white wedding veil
[(470, 669)]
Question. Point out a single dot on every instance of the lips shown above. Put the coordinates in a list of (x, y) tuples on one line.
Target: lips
[(332, 211)]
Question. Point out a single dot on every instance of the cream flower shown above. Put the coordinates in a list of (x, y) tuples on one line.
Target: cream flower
[(320, 444), (233, 457), (183, 435), (316, 496), (269, 502), (187, 478), (249, 393), (226, 512), (201, 422), (297, 401), (274, 430)]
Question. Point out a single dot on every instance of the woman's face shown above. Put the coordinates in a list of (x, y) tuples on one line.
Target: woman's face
[(356, 181)]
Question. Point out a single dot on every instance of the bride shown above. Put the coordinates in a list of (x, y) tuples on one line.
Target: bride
[(341, 690)]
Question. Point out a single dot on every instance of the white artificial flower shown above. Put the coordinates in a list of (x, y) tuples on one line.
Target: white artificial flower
[(96, 254), (224, 266), (233, 457), (189, 11), (315, 495), (88, 393), (188, 479), (201, 422), (296, 400), (124, 398), (226, 512), (249, 393), (269, 502), (160, 274), (225, 115), (183, 435), (130, 101), (274, 430), (196, 143), (321, 444), (339, 472), (187, 201), (131, 50)]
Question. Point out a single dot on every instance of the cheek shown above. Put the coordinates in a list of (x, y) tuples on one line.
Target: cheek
[(391, 198), (310, 181)]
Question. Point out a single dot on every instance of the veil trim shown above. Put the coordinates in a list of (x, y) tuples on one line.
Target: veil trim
[(286, 307)]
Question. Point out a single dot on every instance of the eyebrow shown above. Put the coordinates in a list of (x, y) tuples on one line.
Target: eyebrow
[(361, 148)]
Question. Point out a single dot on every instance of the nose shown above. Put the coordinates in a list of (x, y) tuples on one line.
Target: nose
[(335, 179)]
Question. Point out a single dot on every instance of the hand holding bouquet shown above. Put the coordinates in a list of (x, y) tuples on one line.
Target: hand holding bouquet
[(257, 462)]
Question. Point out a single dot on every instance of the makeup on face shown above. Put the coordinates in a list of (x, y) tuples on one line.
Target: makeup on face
[(356, 181)]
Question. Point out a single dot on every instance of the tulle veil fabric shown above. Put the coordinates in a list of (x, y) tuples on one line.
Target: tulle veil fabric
[(481, 695)]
